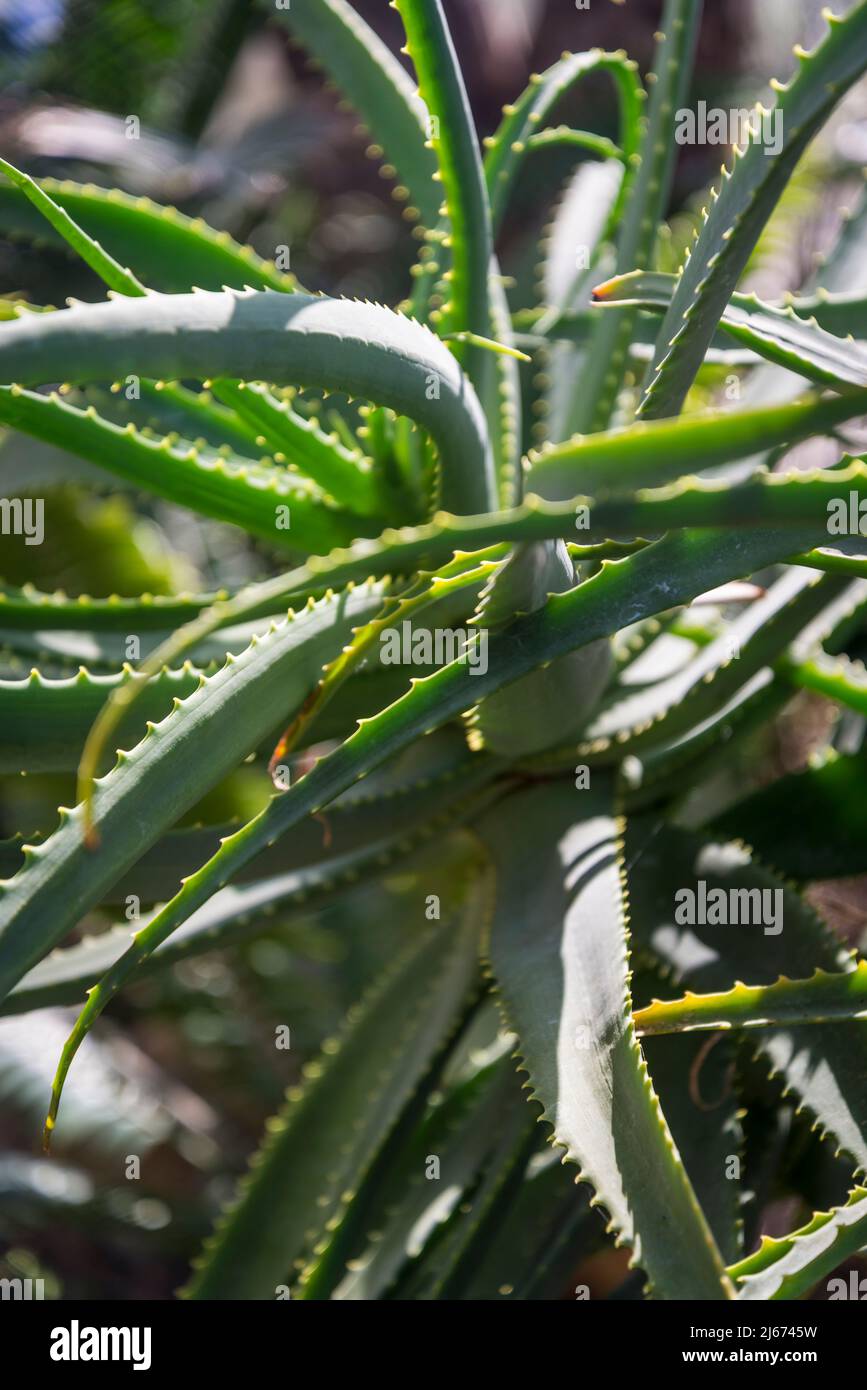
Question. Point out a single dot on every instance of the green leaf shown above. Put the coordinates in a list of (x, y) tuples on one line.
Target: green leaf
[(669, 771), (610, 599), (644, 210), (520, 130), (577, 140), (827, 838), (345, 472), (541, 328), (45, 722), (704, 1123), (548, 1230), (446, 1268), (90, 250), (102, 652), (341, 345), (342, 470), (789, 1267), (819, 999), (803, 497), (452, 135), (741, 207), (487, 344), (322, 1145), (367, 72), (837, 678), (440, 597), (584, 216), (201, 740), (779, 498), (836, 560), (106, 1116), (552, 704), (169, 251), (433, 780), (646, 455), (844, 315), (307, 883), (824, 1067), (780, 335), (559, 954), (636, 718), (461, 1132), (28, 607), (264, 499), (797, 500), (501, 398), (231, 916)]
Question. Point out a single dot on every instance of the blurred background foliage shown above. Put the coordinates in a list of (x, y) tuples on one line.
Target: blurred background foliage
[(207, 105)]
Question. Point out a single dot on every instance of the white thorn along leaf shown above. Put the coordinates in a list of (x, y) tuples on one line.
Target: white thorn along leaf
[(282, 668), (447, 691), (388, 773), (282, 337), (361, 1086), (748, 196), (636, 719), (789, 1267), (565, 992), (822, 1066)]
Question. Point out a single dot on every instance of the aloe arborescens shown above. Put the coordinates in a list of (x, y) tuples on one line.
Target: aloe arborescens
[(564, 815)]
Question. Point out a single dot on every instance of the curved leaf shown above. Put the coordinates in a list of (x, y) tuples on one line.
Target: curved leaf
[(45, 721), (594, 609), (452, 135), (837, 678), (266, 500), (236, 914), (559, 952), (644, 210), (635, 719), (367, 72), (521, 127), (434, 778), (28, 607), (341, 345)]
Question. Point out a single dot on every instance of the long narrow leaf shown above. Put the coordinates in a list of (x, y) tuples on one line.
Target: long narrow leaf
[(741, 207), (559, 954), (319, 1149)]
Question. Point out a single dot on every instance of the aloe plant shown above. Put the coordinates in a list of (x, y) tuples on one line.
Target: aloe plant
[(477, 667)]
